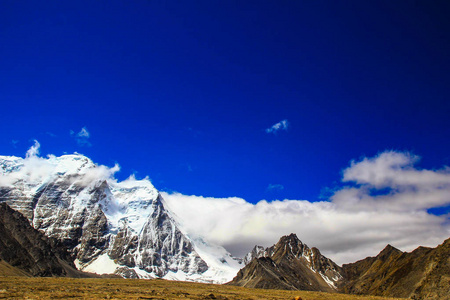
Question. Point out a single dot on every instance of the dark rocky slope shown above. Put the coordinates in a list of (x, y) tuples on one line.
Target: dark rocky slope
[(26, 251), (8, 270), (421, 274)]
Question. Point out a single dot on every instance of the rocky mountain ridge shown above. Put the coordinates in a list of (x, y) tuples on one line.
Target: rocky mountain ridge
[(421, 274), (289, 264)]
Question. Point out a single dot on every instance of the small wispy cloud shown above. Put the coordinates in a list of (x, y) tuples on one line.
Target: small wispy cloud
[(282, 125), (275, 187), (82, 137), (50, 134), (14, 143), (34, 150)]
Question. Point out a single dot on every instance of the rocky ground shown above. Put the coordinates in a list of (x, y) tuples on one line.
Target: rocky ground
[(96, 288)]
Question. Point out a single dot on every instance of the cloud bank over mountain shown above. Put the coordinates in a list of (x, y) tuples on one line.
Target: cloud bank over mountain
[(388, 202), (386, 199)]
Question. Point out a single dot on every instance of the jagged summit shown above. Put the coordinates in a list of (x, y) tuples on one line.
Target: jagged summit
[(389, 248), (387, 252), (109, 226), (292, 240), (290, 237), (290, 245), (289, 264)]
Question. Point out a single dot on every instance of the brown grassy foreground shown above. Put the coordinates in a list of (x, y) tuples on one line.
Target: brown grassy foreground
[(96, 288)]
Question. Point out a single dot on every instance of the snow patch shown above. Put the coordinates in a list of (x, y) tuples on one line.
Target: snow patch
[(222, 266), (101, 265), (328, 280)]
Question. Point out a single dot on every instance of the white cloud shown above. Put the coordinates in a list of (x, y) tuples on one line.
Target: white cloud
[(394, 169), (100, 172), (34, 150), (34, 169), (408, 188), (82, 137), (282, 125), (132, 182), (355, 223)]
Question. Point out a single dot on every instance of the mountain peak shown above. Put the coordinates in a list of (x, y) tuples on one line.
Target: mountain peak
[(289, 245), (389, 247), (387, 252), (289, 238), (292, 241), (289, 264)]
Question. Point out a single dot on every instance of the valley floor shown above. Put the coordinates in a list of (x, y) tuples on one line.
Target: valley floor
[(71, 288)]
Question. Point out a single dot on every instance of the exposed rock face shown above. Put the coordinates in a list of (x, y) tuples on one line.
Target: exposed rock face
[(82, 228), (257, 252), (23, 247), (162, 246), (421, 274), (109, 226), (290, 265)]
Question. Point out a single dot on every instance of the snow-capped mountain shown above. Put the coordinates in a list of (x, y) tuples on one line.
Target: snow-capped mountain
[(110, 226)]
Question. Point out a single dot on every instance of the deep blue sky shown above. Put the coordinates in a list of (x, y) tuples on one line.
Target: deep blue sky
[(183, 91)]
